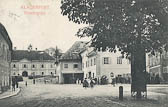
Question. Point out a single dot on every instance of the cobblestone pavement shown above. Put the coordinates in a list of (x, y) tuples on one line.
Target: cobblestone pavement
[(52, 95)]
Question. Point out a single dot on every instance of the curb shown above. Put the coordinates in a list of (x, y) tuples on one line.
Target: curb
[(11, 95)]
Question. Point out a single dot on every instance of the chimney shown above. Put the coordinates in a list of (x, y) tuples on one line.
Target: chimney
[(36, 49)]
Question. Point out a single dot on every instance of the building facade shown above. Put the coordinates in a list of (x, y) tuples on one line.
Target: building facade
[(158, 67), (70, 65), (32, 63), (5, 59), (97, 64)]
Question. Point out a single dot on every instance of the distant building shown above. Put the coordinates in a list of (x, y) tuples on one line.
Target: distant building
[(32, 62), (96, 64), (70, 64), (50, 51), (5, 59), (158, 67), (81, 61)]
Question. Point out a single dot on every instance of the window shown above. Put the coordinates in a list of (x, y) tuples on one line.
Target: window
[(33, 66), (14, 66), (42, 66), (24, 66), (75, 66), (94, 61), (42, 73), (106, 60), (119, 60), (165, 69), (51, 66), (65, 65), (89, 74)]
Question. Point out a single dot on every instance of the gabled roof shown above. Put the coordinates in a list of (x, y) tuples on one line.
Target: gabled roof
[(73, 52), (30, 55), (5, 35)]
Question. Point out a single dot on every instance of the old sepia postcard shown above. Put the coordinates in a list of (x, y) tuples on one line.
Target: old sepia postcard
[(83, 53)]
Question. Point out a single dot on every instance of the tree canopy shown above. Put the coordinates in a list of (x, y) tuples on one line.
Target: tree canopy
[(122, 24)]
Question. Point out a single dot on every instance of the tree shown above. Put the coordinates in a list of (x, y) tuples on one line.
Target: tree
[(135, 27)]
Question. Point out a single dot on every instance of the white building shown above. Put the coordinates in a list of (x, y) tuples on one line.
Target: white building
[(96, 64), (69, 67), (32, 62)]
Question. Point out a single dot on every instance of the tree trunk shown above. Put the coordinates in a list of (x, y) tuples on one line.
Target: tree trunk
[(138, 72)]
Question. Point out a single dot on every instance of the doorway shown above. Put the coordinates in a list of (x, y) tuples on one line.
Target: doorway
[(24, 73)]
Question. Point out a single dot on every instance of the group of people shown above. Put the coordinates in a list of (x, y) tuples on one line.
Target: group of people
[(88, 83)]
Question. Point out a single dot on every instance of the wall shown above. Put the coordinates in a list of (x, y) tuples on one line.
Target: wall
[(117, 69), (61, 70), (47, 69), (100, 68), (5, 58)]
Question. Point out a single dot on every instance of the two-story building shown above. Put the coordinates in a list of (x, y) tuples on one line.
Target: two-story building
[(96, 64), (5, 59), (32, 63), (158, 67), (70, 64)]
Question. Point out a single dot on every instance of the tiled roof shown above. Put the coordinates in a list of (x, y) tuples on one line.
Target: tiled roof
[(30, 55), (92, 53), (5, 35), (73, 52)]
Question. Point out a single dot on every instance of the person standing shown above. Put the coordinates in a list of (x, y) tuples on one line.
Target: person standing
[(85, 83), (92, 83), (17, 84), (13, 85), (113, 82), (26, 83)]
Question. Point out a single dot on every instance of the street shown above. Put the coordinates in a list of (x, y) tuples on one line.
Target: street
[(57, 95)]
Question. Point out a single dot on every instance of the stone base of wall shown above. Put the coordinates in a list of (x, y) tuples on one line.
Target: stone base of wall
[(5, 88)]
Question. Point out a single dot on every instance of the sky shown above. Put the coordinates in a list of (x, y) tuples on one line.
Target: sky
[(48, 29)]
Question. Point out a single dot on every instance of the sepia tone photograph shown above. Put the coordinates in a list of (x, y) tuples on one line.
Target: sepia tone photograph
[(83, 53)]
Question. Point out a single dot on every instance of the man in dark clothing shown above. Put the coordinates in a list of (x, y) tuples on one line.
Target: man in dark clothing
[(85, 83), (92, 83), (13, 85)]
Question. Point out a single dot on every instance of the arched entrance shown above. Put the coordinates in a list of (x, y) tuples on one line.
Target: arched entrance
[(24, 73)]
